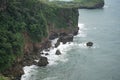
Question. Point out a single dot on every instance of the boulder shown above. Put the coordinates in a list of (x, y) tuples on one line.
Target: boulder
[(43, 61), (46, 54), (89, 44), (57, 43), (58, 52)]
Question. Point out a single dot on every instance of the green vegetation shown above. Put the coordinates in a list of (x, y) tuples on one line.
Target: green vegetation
[(80, 3), (3, 78), (32, 17)]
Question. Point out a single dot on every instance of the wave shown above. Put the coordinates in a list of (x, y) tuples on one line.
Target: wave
[(81, 30), (29, 72), (53, 59)]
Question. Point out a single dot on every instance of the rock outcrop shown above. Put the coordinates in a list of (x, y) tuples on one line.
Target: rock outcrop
[(43, 61), (58, 52), (65, 39), (89, 44)]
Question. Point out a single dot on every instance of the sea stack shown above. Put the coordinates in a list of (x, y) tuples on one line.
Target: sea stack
[(89, 44)]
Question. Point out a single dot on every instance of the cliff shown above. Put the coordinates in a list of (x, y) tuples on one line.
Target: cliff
[(26, 28)]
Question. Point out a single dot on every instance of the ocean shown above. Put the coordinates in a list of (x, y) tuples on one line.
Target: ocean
[(78, 62)]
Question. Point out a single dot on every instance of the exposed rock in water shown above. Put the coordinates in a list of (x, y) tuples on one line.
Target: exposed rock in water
[(89, 44), (58, 52), (43, 61), (46, 54), (41, 53), (57, 43)]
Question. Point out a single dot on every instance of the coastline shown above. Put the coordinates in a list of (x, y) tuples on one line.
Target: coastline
[(32, 50)]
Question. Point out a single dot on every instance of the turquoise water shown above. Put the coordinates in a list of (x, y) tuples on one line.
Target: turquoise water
[(101, 62)]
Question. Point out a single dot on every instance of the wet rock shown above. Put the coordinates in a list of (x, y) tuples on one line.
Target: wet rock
[(41, 53), (58, 52), (65, 39), (46, 54), (53, 35), (76, 31), (57, 43), (43, 61), (89, 44), (63, 34)]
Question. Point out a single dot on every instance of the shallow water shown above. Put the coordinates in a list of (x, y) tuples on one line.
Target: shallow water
[(78, 62)]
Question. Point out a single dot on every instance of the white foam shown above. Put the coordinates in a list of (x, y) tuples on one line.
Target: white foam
[(81, 30), (53, 59), (28, 72)]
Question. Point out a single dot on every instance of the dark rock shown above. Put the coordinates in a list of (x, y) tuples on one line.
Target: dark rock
[(58, 52), (58, 43), (76, 31), (63, 34), (89, 44), (46, 44), (43, 61), (65, 39), (46, 54), (41, 53), (53, 35)]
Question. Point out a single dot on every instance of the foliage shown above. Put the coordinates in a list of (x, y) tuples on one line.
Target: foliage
[(3, 78), (33, 17)]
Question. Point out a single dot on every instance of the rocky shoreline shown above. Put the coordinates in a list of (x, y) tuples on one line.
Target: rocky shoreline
[(15, 72)]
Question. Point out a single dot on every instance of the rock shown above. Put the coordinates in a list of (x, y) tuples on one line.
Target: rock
[(46, 54), (41, 53), (75, 32), (63, 34), (57, 43), (53, 35), (65, 39), (89, 44), (46, 44), (58, 52), (43, 61)]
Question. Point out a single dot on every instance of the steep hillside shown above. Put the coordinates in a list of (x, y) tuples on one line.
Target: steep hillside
[(25, 25)]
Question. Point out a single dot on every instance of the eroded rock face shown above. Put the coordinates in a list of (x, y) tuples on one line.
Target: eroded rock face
[(76, 31), (53, 35), (43, 61), (65, 39), (57, 43), (89, 44), (58, 52)]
